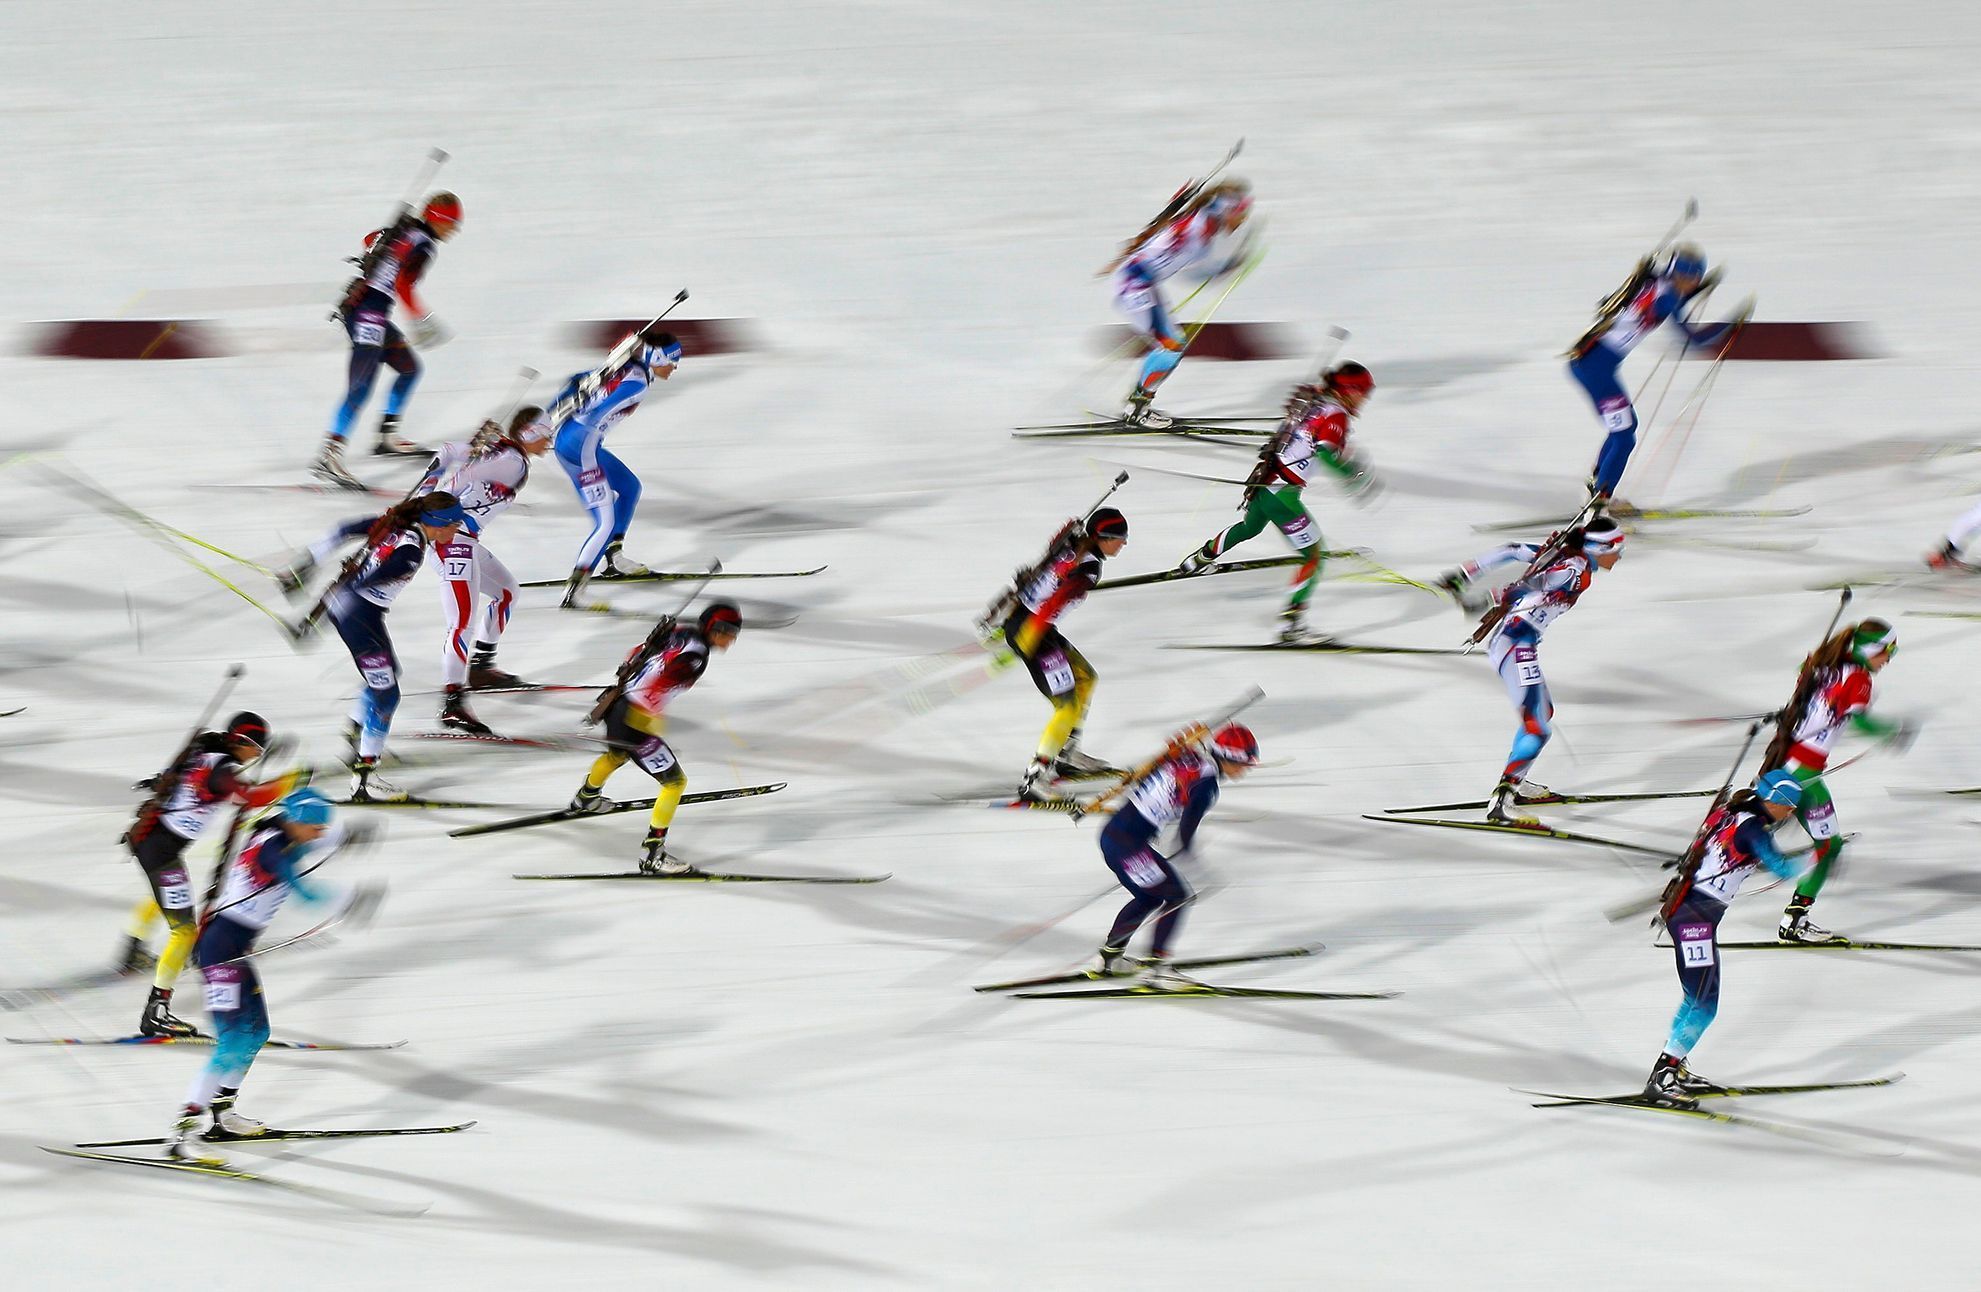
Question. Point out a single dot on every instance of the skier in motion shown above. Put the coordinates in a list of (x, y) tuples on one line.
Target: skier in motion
[(1029, 613), (1738, 838), (1652, 296), (394, 260), (1195, 240), (1526, 607), (588, 407), (1313, 433), (254, 884), (1177, 791), (1832, 690), (634, 710)]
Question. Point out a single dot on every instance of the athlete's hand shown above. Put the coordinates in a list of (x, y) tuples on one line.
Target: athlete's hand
[(428, 331), (1903, 734)]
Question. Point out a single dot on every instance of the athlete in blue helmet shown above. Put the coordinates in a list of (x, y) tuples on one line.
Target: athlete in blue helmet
[(1735, 839), (1652, 296), (279, 851), (586, 409)]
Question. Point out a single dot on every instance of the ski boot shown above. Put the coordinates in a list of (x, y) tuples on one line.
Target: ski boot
[(1159, 975), (483, 675), (588, 800), (1531, 792), (455, 715), (391, 444), (228, 1124), (1501, 810), (1073, 763), (1293, 628), (1107, 963), (329, 467), (614, 564), (368, 787), (1665, 1086), (158, 1019), (177, 1147), (134, 959), (1032, 789), (1198, 561), (574, 588), (654, 859), (1796, 926), (1138, 412)]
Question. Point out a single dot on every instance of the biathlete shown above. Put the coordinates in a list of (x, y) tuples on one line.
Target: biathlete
[(672, 659), (1313, 433)]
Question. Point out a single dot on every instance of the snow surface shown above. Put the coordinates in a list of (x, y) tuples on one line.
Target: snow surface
[(795, 1087)]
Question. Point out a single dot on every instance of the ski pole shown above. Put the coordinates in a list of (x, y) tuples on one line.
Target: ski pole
[(1244, 702)]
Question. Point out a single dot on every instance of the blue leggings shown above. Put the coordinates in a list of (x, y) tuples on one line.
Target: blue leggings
[(233, 997), (1128, 847), (1596, 373), (362, 626), (374, 340), (1694, 930), (606, 486)]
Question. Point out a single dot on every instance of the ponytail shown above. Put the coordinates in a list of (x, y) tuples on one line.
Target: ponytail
[(1831, 654)]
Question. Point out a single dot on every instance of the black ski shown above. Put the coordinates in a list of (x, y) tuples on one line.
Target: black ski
[(1182, 426), (524, 688), (415, 801), (1627, 515), (199, 1039), (560, 744), (681, 576), (1526, 831), (1205, 962), (271, 1134), (618, 806), (1724, 1092), (1848, 944), (714, 877), (1227, 567), (1542, 800), (1200, 991), (214, 1166), (1322, 645)]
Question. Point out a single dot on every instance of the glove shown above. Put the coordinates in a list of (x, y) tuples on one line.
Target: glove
[(361, 908), (428, 331), (1903, 734), (1363, 487)]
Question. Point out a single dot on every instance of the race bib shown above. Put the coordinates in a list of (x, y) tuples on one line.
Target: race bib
[(1617, 415), (378, 672), (1695, 945), (368, 330), (592, 488), (1527, 668), (175, 891), (1821, 821), (1057, 672), (654, 757), (223, 997), (1300, 533), (457, 568), (1142, 871)]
